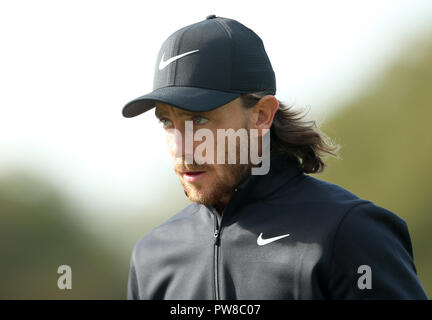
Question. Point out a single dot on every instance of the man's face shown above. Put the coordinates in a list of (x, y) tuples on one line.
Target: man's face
[(210, 184)]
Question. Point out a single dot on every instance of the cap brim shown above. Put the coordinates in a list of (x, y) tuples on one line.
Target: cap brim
[(187, 98)]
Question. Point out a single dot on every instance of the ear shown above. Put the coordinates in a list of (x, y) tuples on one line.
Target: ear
[(263, 112)]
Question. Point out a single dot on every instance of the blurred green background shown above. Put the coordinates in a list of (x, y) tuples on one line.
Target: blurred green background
[(386, 157)]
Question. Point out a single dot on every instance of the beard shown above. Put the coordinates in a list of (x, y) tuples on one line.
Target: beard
[(217, 192)]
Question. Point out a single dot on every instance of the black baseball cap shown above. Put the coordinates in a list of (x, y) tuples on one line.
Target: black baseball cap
[(206, 65)]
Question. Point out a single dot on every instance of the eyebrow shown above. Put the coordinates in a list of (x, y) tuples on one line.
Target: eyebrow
[(158, 113)]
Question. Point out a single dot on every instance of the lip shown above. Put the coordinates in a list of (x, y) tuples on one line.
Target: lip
[(193, 176)]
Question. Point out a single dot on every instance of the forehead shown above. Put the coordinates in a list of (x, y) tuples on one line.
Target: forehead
[(164, 109)]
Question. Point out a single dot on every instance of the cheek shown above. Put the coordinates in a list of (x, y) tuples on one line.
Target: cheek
[(220, 173), (173, 140)]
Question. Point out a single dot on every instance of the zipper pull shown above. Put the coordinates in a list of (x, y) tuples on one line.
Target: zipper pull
[(216, 236)]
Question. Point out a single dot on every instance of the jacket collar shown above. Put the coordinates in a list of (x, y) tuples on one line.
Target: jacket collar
[(259, 187), (281, 170)]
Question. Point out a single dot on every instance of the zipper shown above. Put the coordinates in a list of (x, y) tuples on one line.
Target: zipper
[(216, 245), (216, 255)]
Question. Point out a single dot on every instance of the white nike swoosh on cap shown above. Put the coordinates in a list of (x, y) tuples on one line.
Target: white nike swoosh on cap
[(163, 64), (263, 242)]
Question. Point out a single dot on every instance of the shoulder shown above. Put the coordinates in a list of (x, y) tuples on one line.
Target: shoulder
[(354, 214), (333, 212), (370, 226), (371, 235), (373, 243), (321, 190), (152, 239), (319, 200)]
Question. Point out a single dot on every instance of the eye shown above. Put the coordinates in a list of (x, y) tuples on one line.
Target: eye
[(200, 120), (165, 123)]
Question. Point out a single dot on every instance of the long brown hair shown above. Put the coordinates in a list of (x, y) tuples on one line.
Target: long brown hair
[(294, 137)]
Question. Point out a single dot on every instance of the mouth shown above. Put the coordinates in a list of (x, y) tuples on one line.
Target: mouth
[(192, 176)]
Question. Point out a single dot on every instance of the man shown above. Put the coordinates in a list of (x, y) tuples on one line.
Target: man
[(275, 234)]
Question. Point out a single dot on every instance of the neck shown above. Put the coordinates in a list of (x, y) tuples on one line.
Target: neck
[(221, 204)]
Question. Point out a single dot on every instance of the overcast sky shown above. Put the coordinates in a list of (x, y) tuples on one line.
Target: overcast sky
[(68, 67)]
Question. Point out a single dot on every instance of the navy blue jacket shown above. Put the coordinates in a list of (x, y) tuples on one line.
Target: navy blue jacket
[(284, 235)]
